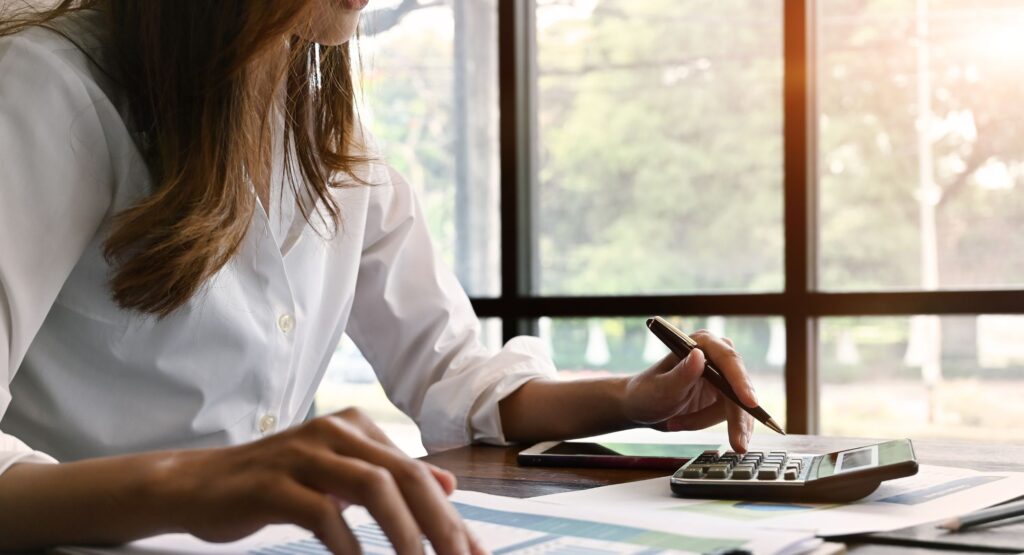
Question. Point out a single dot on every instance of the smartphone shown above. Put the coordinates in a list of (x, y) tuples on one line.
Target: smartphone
[(652, 456)]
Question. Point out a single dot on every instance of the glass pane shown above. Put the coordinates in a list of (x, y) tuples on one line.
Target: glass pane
[(660, 146), (431, 97), (921, 162), (586, 347), (350, 382), (923, 376)]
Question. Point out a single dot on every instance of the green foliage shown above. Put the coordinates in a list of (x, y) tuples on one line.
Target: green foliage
[(661, 149)]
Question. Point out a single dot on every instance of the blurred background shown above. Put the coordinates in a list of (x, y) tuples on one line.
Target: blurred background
[(657, 169)]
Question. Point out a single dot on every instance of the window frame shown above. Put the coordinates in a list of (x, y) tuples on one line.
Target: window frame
[(799, 304)]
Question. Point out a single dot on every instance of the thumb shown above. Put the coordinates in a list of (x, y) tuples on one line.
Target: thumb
[(688, 371)]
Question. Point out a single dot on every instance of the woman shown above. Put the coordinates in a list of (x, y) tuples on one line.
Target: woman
[(190, 216)]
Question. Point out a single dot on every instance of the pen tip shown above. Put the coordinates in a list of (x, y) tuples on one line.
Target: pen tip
[(771, 423), (952, 525)]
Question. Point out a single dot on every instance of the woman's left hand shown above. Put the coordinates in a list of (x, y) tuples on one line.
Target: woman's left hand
[(671, 395)]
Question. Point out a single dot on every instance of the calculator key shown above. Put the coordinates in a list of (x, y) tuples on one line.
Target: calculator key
[(759, 454), (718, 471), (750, 460), (790, 474), (693, 472), (777, 454), (767, 473), (743, 472)]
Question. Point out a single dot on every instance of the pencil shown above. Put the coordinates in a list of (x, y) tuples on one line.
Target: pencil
[(681, 344), (984, 516)]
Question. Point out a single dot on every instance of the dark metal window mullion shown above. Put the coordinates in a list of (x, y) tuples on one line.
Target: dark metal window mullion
[(800, 213), (515, 82)]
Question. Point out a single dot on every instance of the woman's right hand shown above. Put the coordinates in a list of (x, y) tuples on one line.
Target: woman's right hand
[(306, 476)]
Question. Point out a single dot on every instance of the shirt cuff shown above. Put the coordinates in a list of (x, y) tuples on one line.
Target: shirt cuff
[(453, 418), (14, 451)]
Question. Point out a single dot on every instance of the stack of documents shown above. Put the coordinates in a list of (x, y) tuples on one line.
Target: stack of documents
[(511, 526), (934, 493)]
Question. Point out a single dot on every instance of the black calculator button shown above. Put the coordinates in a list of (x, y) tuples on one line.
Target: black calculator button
[(768, 473), (743, 472), (718, 471), (790, 474), (693, 472), (750, 460)]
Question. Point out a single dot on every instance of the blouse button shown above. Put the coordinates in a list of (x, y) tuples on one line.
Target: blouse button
[(286, 323), (267, 423)]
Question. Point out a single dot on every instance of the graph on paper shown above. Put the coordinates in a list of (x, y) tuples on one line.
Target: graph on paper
[(523, 533)]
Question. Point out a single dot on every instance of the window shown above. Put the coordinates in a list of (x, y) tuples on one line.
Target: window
[(836, 185), (430, 97), (649, 131), (920, 157), (898, 376), (430, 91)]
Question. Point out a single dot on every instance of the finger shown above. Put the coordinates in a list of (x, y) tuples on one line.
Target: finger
[(476, 545), (698, 420), (371, 486), (448, 482), (366, 424), (730, 363), (319, 514), (422, 493), (428, 502), (741, 426)]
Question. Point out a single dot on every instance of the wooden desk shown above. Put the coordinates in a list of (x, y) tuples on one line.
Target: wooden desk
[(494, 470)]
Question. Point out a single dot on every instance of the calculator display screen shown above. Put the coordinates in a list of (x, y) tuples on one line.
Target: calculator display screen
[(864, 458), (858, 458)]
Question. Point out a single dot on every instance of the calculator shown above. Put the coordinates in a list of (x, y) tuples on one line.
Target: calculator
[(836, 477)]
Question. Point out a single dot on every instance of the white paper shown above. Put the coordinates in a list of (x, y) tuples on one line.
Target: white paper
[(934, 493), (512, 526)]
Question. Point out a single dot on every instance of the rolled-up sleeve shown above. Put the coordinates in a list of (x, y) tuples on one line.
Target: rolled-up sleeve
[(414, 323), (55, 189)]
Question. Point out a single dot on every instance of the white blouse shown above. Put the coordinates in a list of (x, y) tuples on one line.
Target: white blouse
[(80, 377)]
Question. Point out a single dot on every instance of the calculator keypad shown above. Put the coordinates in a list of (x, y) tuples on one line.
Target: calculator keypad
[(754, 465)]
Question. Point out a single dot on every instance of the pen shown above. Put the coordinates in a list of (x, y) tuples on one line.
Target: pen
[(984, 516), (681, 344)]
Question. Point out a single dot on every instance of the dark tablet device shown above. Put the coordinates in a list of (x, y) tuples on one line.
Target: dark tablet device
[(654, 456), (836, 477)]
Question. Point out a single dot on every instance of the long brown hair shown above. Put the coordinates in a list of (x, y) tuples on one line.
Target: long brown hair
[(201, 77)]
